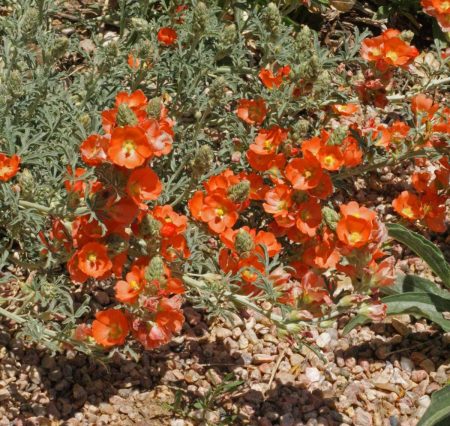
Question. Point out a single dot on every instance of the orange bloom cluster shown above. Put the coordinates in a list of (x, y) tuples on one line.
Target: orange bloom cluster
[(388, 50), (428, 203), (9, 166), (439, 9), (100, 247)]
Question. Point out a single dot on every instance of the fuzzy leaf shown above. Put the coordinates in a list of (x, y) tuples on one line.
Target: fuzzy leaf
[(414, 283), (439, 410), (354, 322), (423, 248)]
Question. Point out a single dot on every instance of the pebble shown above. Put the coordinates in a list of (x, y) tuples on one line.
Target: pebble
[(263, 358), (407, 364)]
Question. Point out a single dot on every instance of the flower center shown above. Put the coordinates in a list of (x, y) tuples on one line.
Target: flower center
[(220, 212), (92, 257), (128, 146), (407, 211), (268, 144), (355, 237), (134, 285), (115, 331), (393, 56), (329, 160)]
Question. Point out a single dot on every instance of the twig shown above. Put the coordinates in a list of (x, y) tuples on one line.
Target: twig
[(275, 368)]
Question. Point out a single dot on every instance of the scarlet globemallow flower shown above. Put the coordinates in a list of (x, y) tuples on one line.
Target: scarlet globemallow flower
[(252, 111), (421, 181), (93, 260), (278, 203), (143, 185), (110, 328), (331, 157), (9, 166), (439, 9), (167, 36), (268, 140), (304, 173), (353, 231), (309, 217), (423, 107), (169, 314), (93, 150), (172, 222), (346, 110), (129, 147), (128, 291), (135, 100), (434, 211), (217, 211), (408, 206), (270, 79)]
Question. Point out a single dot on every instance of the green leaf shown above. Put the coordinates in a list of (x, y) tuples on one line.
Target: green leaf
[(426, 305), (354, 322), (415, 284), (439, 409), (423, 248)]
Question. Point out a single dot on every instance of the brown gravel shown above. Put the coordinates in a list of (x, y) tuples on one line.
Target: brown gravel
[(378, 375)]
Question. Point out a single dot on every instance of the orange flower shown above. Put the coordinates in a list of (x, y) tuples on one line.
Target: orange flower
[(174, 247), (167, 36), (408, 206), (110, 328), (128, 291), (133, 62), (9, 166), (143, 185), (84, 230), (346, 110), (136, 100), (93, 260), (304, 173), (268, 140), (423, 107), (434, 211), (169, 315), (252, 111), (217, 211), (278, 202), (322, 253), (353, 209), (388, 49), (75, 184), (354, 231), (330, 157), (270, 80), (160, 140), (421, 181), (352, 152), (261, 238), (439, 9), (309, 217), (172, 222), (324, 189), (129, 147), (93, 150)]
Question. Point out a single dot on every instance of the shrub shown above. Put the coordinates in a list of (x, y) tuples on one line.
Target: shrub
[(205, 153)]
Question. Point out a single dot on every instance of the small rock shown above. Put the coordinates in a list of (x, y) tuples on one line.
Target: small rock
[(263, 358), (4, 394), (222, 333), (101, 297), (285, 378), (313, 375), (407, 364), (424, 401), (418, 376), (428, 365), (191, 376), (362, 418), (287, 420), (400, 326), (78, 392)]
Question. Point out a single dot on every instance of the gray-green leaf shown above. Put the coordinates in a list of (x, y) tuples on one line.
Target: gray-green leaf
[(439, 409)]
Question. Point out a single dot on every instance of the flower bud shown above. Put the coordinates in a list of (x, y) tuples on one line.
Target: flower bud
[(300, 128), (243, 242), (150, 227), (202, 161), (216, 91), (239, 192), (154, 108), (406, 36), (303, 40), (229, 35), (126, 116), (272, 19), (375, 311), (330, 217), (309, 70), (200, 18), (15, 85), (155, 269), (59, 48), (85, 121), (338, 135), (26, 184), (30, 21), (323, 84)]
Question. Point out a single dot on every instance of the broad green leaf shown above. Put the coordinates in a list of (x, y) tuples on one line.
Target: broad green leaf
[(426, 305), (354, 322), (429, 252), (438, 410), (416, 284)]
